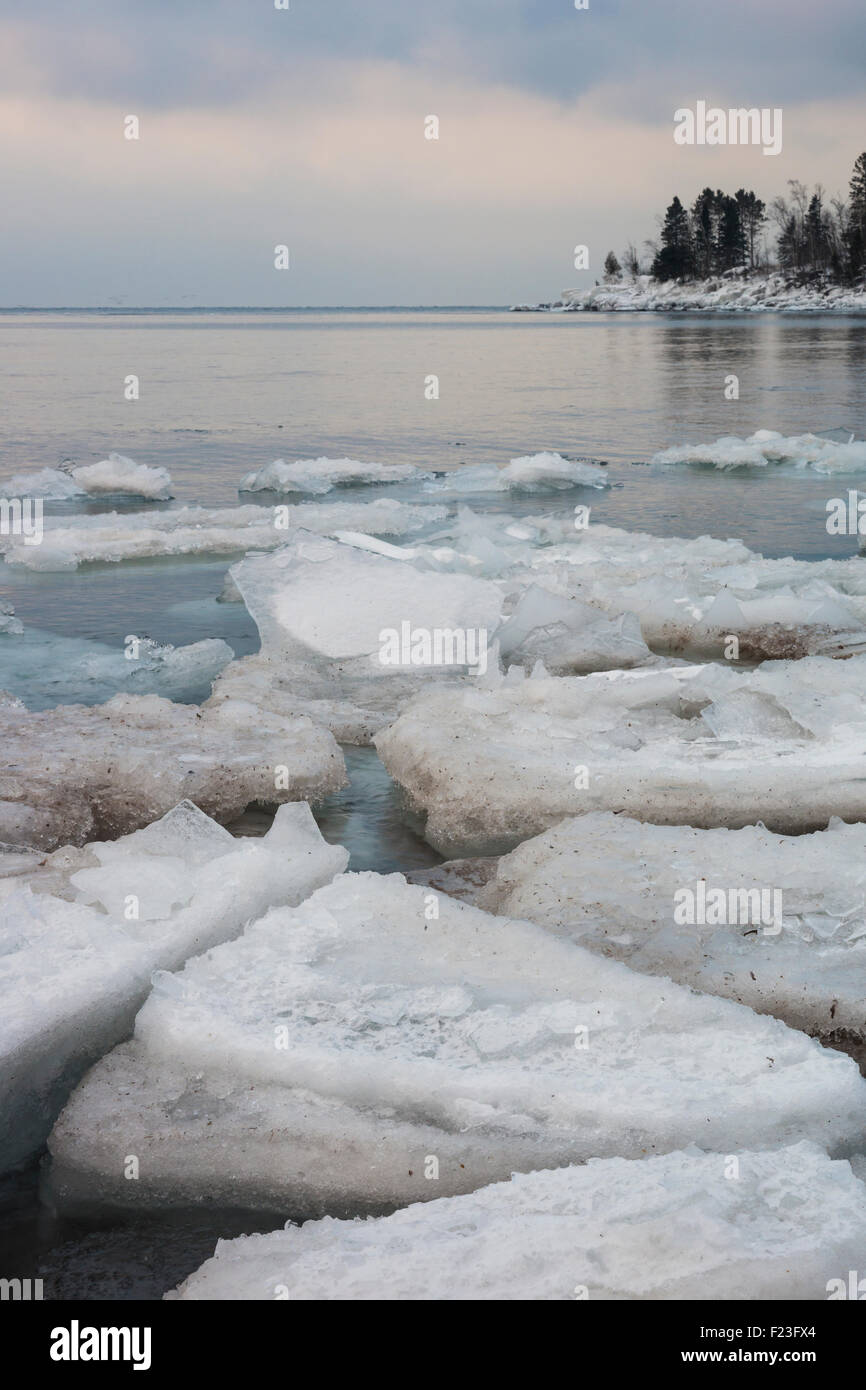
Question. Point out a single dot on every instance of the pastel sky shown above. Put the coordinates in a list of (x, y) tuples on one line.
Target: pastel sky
[(305, 127)]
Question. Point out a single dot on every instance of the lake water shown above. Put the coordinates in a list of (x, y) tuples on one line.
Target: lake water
[(226, 392)]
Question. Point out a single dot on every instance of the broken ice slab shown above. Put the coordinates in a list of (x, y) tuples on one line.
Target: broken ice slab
[(81, 935), (116, 476), (684, 1225), (545, 472), (691, 745), (43, 668), (112, 537), (321, 475), (75, 772), (827, 452), (325, 611), (568, 636), (315, 1062), (787, 936)]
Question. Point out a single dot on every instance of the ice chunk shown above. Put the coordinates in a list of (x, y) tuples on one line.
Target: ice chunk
[(110, 537), (790, 1222), (73, 773), (71, 977), (569, 636), (317, 1060), (332, 618), (322, 474), (820, 452), (535, 473), (690, 745), (10, 626), (112, 477), (44, 668), (633, 892)]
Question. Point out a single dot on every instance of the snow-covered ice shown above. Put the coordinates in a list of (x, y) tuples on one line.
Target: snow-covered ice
[(182, 531), (317, 1061), (800, 452), (115, 476), (82, 932), (543, 472), (690, 745), (678, 1226), (323, 474), (321, 608), (74, 773), (611, 884), (10, 626)]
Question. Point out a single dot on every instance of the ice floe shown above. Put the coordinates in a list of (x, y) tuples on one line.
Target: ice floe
[(323, 474), (74, 773), (801, 452), (44, 669), (684, 1225), (793, 946), (82, 932), (321, 1059), (692, 745), (10, 626), (112, 477), (544, 472), (182, 531), (329, 614)]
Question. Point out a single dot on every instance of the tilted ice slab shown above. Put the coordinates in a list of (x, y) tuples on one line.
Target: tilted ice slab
[(691, 745), (81, 937), (319, 1060), (612, 884), (322, 608), (204, 530), (688, 595), (73, 773), (43, 668), (112, 477), (803, 451), (535, 473), (322, 474), (678, 1226)]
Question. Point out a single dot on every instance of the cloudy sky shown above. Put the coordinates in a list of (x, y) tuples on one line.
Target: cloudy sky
[(305, 127)]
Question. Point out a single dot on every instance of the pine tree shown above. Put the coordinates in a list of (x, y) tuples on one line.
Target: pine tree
[(674, 259), (730, 240), (753, 214), (704, 223), (612, 267), (856, 229)]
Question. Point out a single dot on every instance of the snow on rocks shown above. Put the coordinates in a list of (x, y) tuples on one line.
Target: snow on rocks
[(545, 472), (660, 898), (729, 293), (688, 745), (791, 1221), (323, 474), (112, 536), (82, 931), (802, 452), (115, 476), (316, 1062), (73, 773), (332, 619)]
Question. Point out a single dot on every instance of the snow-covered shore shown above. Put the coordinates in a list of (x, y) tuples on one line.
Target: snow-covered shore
[(731, 293)]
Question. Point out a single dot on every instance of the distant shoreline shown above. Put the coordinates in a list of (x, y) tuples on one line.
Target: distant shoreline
[(736, 294)]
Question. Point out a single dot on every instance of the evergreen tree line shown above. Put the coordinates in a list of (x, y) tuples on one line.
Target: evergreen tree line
[(816, 239)]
